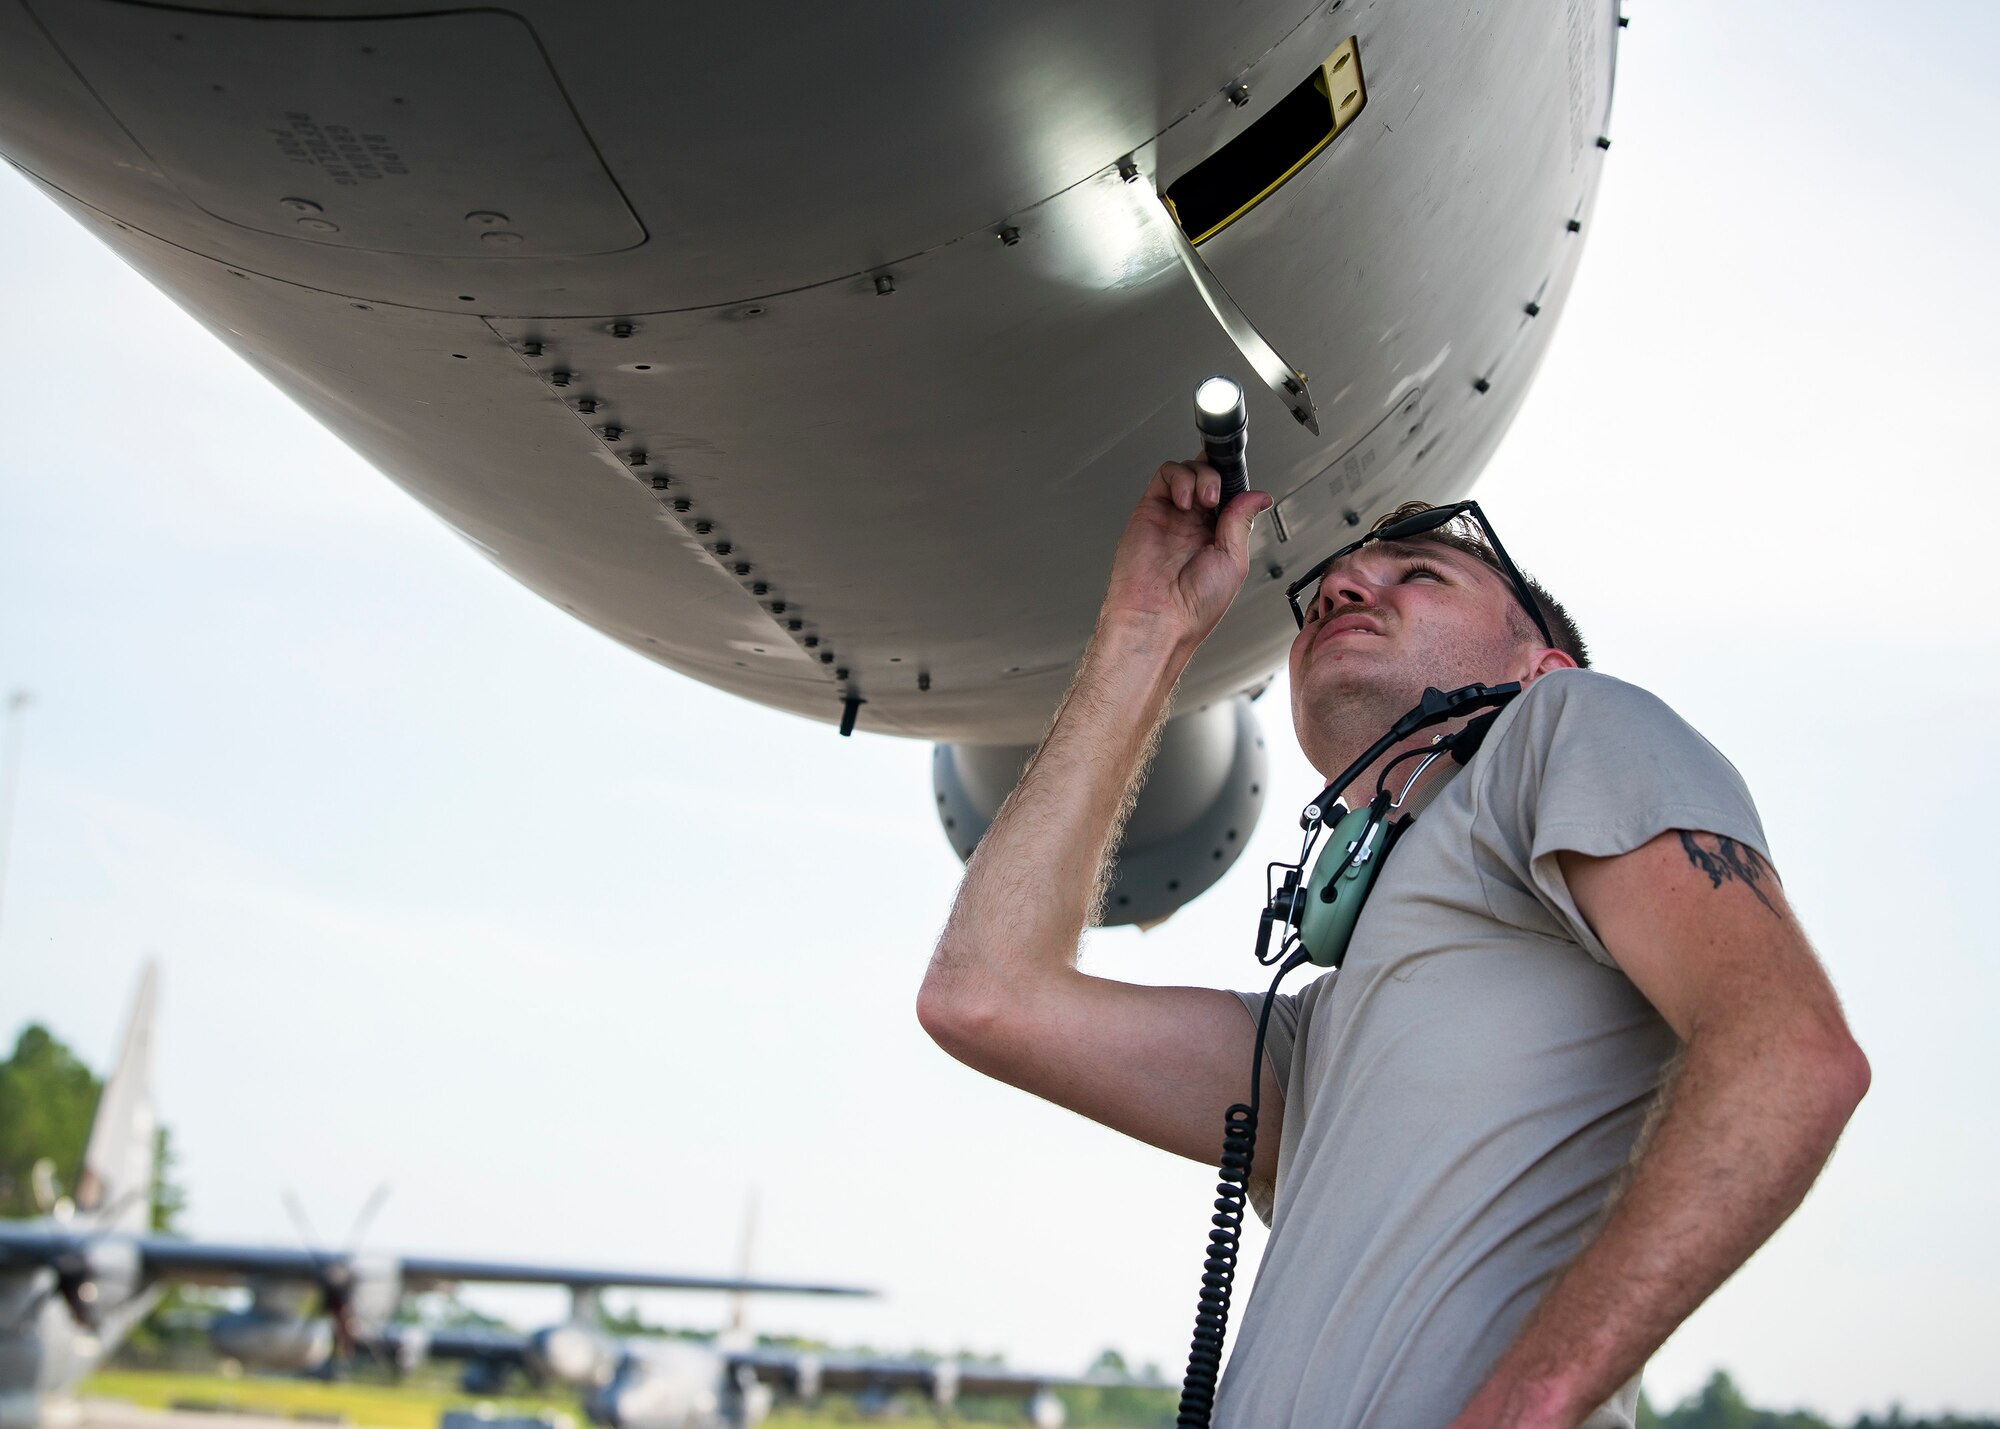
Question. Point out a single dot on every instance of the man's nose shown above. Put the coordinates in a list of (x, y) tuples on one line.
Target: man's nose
[(1349, 589), (1336, 592)]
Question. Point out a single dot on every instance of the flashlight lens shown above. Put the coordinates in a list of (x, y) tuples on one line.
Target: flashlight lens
[(1218, 397)]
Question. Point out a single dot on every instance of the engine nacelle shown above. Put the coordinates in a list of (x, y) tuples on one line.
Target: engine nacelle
[(944, 1386), (1045, 1410), (404, 1347), (808, 1372), (269, 1340), (578, 1355), (1193, 817), (370, 1285), (752, 1402), (664, 1385), (43, 1350)]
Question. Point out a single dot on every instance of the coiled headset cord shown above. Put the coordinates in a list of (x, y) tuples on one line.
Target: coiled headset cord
[(1218, 1268), (1239, 1128)]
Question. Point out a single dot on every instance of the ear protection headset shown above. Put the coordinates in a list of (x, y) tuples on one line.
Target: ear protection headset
[(1314, 915), (1318, 914)]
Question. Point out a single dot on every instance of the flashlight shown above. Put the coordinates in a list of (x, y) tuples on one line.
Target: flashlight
[(1224, 424)]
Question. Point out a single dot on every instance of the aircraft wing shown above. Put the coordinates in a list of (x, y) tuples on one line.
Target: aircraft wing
[(218, 1263), (854, 1373), (806, 1374), (494, 1346), (423, 1272), (978, 1381), (221, 1263), (24, 1244)]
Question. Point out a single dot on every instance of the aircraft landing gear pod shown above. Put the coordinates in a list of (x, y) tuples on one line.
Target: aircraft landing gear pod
[(1200, 801)]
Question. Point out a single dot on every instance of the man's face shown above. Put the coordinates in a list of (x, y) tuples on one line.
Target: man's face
[(1390, 619)]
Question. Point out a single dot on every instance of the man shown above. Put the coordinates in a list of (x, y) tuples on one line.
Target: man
[(1578, 1063)]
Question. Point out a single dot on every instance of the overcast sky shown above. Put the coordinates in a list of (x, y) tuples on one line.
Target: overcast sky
[(449, 891)]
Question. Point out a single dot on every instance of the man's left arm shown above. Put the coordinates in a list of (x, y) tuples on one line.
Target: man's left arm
[(1767, 1077)]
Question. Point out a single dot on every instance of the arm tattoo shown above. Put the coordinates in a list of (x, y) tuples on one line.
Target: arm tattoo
[(1727, 861)]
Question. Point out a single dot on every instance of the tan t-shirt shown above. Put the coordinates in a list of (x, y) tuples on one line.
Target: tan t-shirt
[(1461, 1096)]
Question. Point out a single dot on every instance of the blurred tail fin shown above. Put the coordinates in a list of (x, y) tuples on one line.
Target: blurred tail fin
[(116, 1186)]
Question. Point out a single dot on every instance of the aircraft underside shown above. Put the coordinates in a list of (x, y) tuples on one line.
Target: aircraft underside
[(819, 353)]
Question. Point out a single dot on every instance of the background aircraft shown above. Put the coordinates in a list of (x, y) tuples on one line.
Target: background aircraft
[(652, 1383), (820, 356), (73, 1285)]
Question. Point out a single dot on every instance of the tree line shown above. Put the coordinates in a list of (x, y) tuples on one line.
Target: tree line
[(1719, 1404)]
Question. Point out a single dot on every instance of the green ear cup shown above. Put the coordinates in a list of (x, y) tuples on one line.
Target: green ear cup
[(1348, 870)]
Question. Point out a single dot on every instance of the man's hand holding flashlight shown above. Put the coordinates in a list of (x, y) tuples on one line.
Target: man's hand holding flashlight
[(1181, 560)]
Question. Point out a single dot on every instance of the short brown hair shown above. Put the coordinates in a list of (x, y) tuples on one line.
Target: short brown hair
[(1462, 533)]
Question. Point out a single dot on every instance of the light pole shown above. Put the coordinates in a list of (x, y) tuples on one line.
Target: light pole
[(10, 775)]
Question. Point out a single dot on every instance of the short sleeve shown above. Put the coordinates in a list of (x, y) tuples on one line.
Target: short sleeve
[(1592, 765), (1283, 1035), (1280, 1043)]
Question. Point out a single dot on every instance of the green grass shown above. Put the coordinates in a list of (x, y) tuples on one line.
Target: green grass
[(378, 1406)]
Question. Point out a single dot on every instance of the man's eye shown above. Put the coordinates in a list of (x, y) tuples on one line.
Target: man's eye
[(1420, 569)]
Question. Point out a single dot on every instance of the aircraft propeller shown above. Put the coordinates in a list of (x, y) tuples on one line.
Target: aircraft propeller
[(77, 1284), (338, 1275), (77, 1269)]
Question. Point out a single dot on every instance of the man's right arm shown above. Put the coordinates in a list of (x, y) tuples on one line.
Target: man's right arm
[(1004, 994)]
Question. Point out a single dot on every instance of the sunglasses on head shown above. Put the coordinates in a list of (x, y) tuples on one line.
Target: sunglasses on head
[(1417, 525)]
